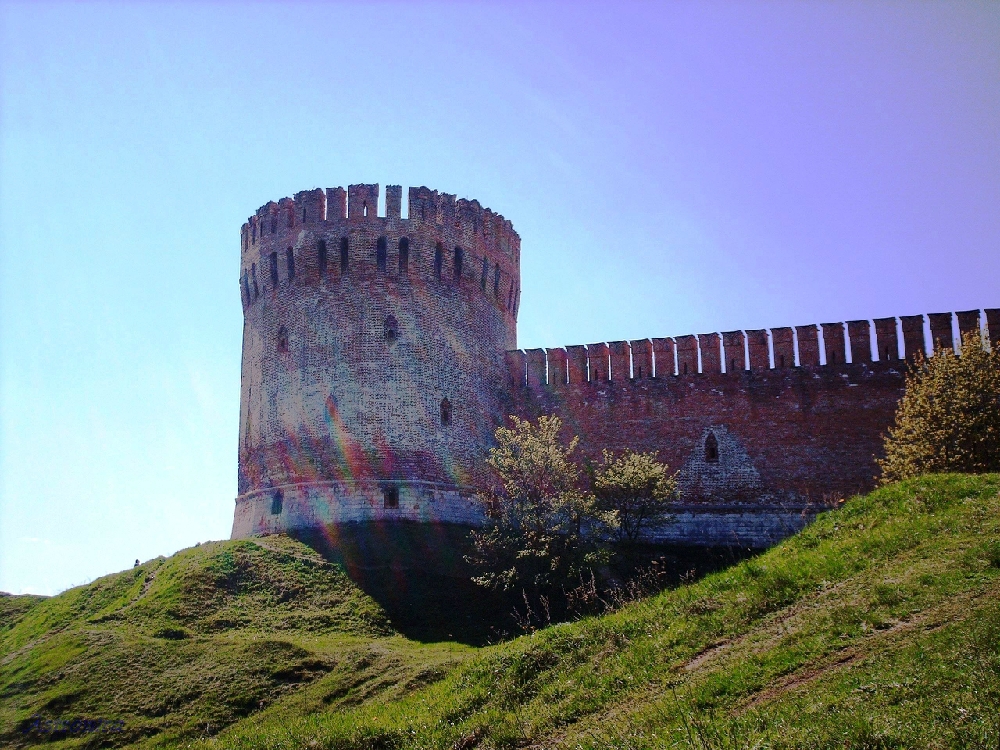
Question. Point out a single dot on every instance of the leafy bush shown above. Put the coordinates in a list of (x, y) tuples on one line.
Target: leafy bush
[(949, 417), (637, 489), (543, 526)]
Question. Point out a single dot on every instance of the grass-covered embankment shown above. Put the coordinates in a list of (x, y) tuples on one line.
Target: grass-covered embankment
[(876, 627), (184, 646)]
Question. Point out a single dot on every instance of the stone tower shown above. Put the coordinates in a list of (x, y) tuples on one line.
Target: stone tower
[(373, 369)]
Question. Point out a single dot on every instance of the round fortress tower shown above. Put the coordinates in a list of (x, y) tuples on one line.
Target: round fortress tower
[(373, 356)]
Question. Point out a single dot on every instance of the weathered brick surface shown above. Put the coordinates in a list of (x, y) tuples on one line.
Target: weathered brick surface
[(378, 360), (859, 332), (941, 337), (913, 335), (348, 359), (797, 435), (834, 345)]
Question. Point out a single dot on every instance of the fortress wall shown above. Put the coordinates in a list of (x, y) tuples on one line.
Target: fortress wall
[(356, 332), (790, 433)]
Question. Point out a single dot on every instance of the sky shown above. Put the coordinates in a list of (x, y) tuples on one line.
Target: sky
[(671, 168)]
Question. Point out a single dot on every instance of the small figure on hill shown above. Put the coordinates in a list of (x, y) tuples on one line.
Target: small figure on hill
[(949, 418)]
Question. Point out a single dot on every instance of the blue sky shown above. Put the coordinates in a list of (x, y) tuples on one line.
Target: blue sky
[(671, 168)]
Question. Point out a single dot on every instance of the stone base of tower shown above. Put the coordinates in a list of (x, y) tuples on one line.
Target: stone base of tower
[(316, 505)]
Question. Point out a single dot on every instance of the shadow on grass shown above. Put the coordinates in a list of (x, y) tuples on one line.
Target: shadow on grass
[(418, 574)]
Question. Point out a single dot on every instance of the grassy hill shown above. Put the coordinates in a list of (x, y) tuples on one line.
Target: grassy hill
[(876, 627), (184, 646)]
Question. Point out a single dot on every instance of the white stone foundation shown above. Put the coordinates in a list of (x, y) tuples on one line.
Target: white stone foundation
[(320, 504)]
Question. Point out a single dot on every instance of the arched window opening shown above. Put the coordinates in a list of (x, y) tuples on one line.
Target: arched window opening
[(711, 449), (482, 275), (276, 503), (364, 210), (380, 254), (321, 256), (438, 260), (390, 496), (496, 280), (459, 254), (290, 263), (391, 328), (253, 278), (283, 340), (274, 270), (445, 412), (343, 255), (404, 255)]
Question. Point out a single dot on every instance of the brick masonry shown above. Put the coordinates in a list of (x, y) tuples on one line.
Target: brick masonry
[(378, 360)]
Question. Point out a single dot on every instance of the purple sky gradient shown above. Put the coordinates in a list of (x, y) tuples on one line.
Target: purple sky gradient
[(672, 168)]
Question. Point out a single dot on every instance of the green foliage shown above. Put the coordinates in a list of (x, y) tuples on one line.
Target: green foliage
[(183, 646), (949, 418), (877, 626), (543, 528), (636, 489)]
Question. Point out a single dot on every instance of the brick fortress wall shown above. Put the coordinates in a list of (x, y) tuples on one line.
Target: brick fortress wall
[(373, 356), (765, 427)]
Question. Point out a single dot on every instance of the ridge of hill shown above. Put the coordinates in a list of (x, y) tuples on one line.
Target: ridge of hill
[(183, 646), (878, 626)]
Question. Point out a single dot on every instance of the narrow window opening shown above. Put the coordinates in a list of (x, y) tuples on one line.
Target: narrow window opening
[(482, 276), (343, 255), (303, 216), (404, 255), (283, 340), (291, 217), (246, 288), (274, 270), (711, 449), (438, 260), (639, 376), (732, 365), (290, 262), (321, 256), (781, 359), (458, 263), (276, 503), (380, 254), (445, 412), (253, 232), (496, 280), (685, 368), (390, 497), (391, 328), (274, 224), (253, 276)]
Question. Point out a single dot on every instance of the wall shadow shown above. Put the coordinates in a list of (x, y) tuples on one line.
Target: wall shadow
[(418, 574)]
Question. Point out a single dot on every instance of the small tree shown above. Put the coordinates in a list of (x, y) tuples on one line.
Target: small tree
[(636, 489), (949, 417), (540, 532)]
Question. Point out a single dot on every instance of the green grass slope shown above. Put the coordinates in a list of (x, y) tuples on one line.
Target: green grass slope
[(876, 627), (184, 646)]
